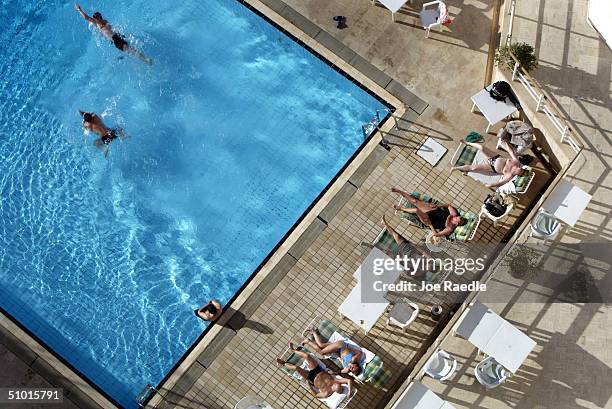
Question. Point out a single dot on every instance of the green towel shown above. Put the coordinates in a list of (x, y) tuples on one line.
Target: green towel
[(473, 137)]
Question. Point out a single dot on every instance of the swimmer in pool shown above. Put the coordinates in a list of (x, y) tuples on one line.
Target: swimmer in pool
[(93, 123), (107, 30)]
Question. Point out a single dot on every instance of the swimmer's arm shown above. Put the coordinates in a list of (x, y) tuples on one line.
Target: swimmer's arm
[(83, 14)]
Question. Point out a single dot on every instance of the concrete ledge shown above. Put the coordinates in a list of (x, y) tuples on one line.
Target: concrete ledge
[(188, 379), (213, 349), (373, 73), (333, 207), (17, 347), (307, 238), (276, 5), (368, 165), (55, 378), (415, 103)]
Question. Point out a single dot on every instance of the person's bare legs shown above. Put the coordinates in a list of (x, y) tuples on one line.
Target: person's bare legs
[(312, 363), (399, 239), (477, 167), (138, 54), (422, 206), (325, 348)]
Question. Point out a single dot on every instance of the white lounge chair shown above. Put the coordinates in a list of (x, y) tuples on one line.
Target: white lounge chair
[(467, 155), (441, 366), (431, 18), (336, 400), (490, 373), (402, 314)]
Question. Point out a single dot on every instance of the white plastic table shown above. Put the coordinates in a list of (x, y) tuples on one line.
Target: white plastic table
[(418, 396), (393, 5), (363, 314), (567, 202), (493, 110), (495, 336)]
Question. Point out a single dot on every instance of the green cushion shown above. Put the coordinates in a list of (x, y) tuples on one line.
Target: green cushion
[(467, 155), (387, 243), (375, 373), (326, 329), (521, 182)]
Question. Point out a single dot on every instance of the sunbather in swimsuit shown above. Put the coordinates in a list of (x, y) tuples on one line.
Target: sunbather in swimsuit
[(507, 167), (92, 122), (322, 384), (352, 356), (441, 219)]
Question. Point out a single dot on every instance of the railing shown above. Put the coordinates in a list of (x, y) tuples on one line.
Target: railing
[(511, 8), (544, 104)]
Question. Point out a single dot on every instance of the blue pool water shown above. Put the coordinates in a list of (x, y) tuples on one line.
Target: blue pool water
[(233, 131)]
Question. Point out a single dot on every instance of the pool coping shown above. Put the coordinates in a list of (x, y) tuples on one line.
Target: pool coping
[(82, 391)]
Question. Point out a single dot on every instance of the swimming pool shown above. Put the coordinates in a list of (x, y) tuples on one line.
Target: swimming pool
[(233, 132)]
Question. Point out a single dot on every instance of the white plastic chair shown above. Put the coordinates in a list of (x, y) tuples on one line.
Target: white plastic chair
[(545, 226), (431, 18), (496, 219), (441, 366), (402, 314), (490, 373)]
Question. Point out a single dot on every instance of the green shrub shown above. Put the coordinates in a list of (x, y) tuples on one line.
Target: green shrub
[(523, 52)]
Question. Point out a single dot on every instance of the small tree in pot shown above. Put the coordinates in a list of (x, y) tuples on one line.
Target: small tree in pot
[(523, 52)]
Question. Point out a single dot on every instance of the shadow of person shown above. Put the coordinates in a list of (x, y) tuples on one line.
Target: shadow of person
[(236, 320)]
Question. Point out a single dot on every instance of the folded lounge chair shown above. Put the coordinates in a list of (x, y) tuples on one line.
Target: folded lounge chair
[(461, 233), (466, 155), (336, 400), (373, 371)]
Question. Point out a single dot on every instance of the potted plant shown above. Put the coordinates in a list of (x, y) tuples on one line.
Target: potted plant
[(524, 53)]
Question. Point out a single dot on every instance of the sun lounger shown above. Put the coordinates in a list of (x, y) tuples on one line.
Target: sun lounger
[(373, 370), (336, 400), (461, 233), (467, 155)]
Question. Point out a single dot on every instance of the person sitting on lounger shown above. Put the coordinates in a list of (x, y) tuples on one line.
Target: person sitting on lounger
[(441, 219), (352, 356), (321, 383), (508, 168)]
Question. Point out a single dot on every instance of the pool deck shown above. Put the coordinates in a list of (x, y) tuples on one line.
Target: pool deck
[(313, 279)]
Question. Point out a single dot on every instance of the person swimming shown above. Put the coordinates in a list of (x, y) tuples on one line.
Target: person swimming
[(93, 123), (107, 30)]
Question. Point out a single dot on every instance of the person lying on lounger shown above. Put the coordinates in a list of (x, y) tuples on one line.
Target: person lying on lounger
[(441, 219), (321, 383), (352, 356), (508, 168)]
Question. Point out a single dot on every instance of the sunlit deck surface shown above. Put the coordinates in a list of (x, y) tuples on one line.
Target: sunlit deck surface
[(444, 71)]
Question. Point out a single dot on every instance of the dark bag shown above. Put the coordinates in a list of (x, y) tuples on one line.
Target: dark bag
[(495, 205), (499, 90)]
